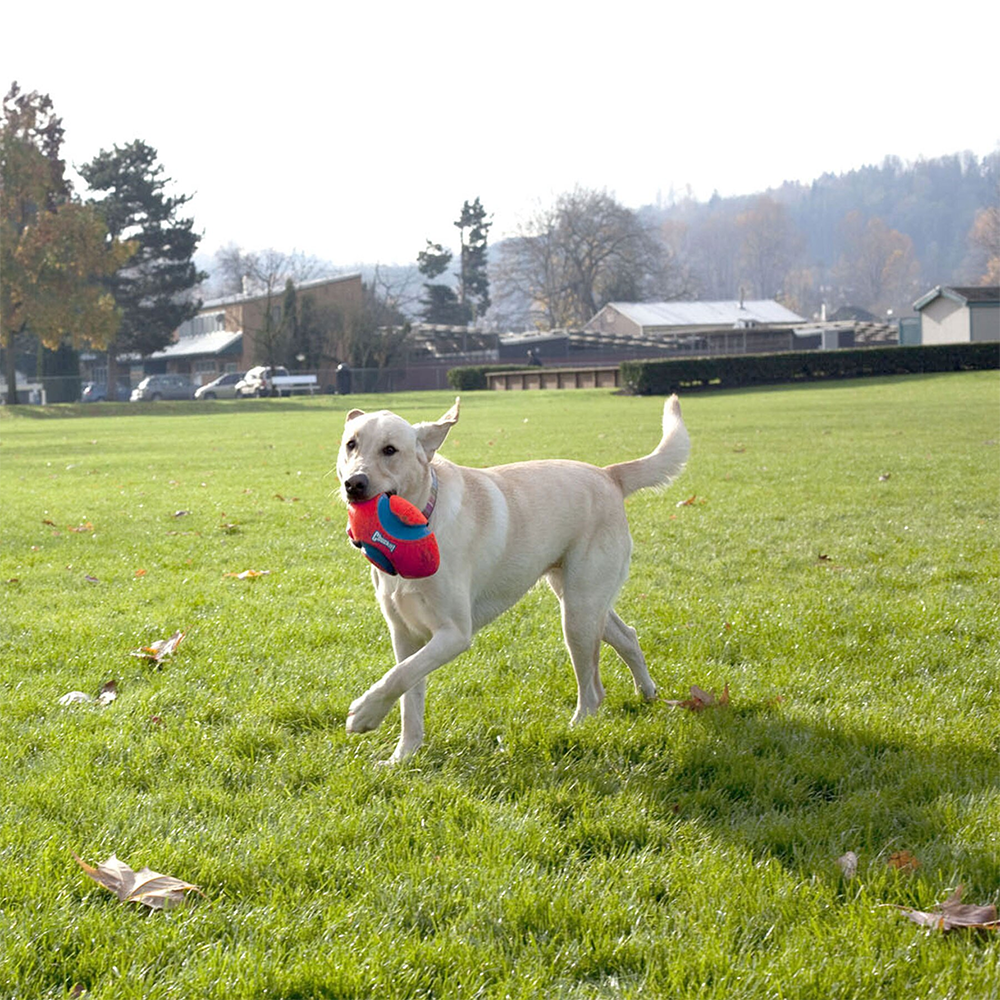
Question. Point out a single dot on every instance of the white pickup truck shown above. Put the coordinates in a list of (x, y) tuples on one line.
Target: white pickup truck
[(262, 381)]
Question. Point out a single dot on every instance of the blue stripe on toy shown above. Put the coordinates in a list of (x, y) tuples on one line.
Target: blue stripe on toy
[(395, 527), (378, 558)]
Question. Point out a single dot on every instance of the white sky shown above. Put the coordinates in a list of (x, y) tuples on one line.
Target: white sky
[(354, 131)]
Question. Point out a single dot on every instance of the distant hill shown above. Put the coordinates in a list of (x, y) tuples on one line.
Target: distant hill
[(933, 202)]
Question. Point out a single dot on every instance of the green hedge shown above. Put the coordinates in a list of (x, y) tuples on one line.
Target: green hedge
[(474, 376), (666, 375)]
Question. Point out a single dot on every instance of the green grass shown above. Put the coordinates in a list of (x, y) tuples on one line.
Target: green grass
[(650, 852)]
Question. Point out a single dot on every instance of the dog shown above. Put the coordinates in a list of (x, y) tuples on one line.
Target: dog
[(499, 531)]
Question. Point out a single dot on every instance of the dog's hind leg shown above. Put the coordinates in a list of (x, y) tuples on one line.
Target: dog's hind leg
[(623, 640), (583, 623)]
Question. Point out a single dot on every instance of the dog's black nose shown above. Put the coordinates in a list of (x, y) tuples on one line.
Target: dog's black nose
[(356, 487)]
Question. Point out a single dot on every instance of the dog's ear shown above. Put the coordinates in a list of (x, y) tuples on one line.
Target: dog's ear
[(353, 414), (431, 436)]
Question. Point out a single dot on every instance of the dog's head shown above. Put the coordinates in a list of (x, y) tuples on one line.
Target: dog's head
[(383, 453)]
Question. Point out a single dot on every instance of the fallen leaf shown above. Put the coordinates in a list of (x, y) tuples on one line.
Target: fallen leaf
[(140, 572), (146, 886), (181, 513), (701, 699), (953, 914), (108, 693), (76, 698), (848, 864), (884, 477), (81, 527), (90, 579), (248, 574), (903, 861), (156, 652), (687, 503), (51, 524)]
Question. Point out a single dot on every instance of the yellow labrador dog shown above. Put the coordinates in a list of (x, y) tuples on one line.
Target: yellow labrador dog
[(499, 530)]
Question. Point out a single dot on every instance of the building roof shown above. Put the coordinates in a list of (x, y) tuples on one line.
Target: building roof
[(728, 313), (964, 295), (250, 296), (217, 342)]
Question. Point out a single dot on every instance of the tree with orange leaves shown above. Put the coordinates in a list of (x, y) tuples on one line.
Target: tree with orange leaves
[(54, 251)]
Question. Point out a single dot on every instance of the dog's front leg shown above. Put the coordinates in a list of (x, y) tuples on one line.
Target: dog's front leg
[(372, 707)]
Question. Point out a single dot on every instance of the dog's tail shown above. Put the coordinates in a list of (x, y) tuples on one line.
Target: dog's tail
[(664, 463)]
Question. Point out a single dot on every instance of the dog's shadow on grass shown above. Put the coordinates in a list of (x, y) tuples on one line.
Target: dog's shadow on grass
[(781, 787)]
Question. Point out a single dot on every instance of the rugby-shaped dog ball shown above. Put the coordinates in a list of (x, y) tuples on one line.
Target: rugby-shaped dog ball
[(394, 536)]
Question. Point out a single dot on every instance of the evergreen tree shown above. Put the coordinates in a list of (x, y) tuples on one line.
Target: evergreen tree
[(153, 289), (441, 304), (474, 282)]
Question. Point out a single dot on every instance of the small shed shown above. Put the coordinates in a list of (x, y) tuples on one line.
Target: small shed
[(959, 315)]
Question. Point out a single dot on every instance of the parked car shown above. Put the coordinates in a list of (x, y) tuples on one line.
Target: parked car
[(97, 392), (224, 387), (259, 381), (154, 387)]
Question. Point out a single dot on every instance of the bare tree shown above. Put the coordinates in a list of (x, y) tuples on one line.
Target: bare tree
[(769, 245), (572, 258), (374, 335), (878, 268)]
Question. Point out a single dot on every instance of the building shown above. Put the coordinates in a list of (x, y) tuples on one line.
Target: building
[(952, 315), (730, 327), (225, 335)]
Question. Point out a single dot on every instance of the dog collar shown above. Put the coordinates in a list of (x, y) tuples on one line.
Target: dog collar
[(429, 509)]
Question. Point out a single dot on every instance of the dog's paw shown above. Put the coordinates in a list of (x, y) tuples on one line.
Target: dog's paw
[(366, 713)]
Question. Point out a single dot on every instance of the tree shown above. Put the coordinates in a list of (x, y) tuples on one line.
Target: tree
[(474, 280), (569, 260), (375, 334), (153, 290), (441, 303), (263, 274), (305, 328), (54, 251), (768, 246), (984, 236), (877, 268)]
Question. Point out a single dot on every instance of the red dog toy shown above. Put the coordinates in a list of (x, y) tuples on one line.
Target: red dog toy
[(394, 536)]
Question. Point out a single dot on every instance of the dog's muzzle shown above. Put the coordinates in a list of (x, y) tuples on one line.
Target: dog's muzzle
[(356, 487)]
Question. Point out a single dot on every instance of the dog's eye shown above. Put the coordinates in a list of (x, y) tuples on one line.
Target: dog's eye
[(388, 450), (351, 445)]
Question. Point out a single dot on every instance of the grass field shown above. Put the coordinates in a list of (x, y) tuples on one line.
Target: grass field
[(837, 567)]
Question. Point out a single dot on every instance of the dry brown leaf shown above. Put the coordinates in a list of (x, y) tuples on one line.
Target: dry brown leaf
[(701, 699), (81, 527), (147, 887), (690, 502), (156, 652), (108, 693), (904, 861), (953, 914), (248, 574)]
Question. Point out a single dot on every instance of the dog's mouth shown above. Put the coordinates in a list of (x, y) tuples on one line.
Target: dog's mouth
[(363, 496)]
